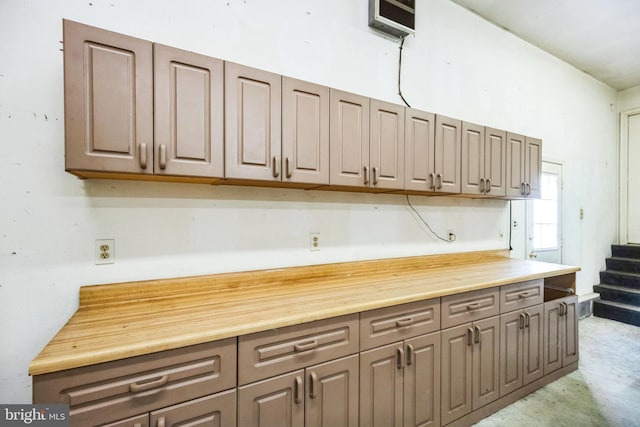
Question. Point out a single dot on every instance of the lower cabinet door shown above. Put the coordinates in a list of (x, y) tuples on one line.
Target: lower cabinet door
[(422, 381), (553, 329), (217, 410), (274, 402), (533, 344), (511, 326), (486, 362), (331, 391), (381, 386), (456, 372), (570, 331), (138, 421)]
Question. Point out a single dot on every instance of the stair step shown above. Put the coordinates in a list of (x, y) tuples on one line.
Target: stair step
[(629, 265), (626, 251), (624, 313), (620, 278), (618, 294)]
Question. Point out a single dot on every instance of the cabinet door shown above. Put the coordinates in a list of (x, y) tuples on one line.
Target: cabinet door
[(511, 326), (553, 329), (381, 386), (332, 393), (473, 162), (305, 132), (189, 102), (533, 344), (252, 123), (533, 165), (275, 402), (419, 150), (495, 162), (217, 410), (486, 362), (387, 145), (515, 165), (108, 85), (349, 139), (139, 421), (447, 154), (422, 381), (570, 331), (456, 377)]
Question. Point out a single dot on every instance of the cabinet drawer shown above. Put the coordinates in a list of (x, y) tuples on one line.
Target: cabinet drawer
[(390, 324), (215, 410), (115, 390), (469, 306), (521, 295), (269, 353)]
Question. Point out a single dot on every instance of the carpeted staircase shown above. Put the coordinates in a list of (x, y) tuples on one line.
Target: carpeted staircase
[(619, 286)]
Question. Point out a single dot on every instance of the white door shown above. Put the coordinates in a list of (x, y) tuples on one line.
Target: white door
[(543, 217), (633, 181)]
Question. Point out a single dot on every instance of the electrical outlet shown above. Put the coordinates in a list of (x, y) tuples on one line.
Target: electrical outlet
[(105, 251), (314, 241), (451, 236)]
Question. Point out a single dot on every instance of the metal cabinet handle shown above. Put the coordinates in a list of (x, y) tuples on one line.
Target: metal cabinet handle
[(469, 336), (528, 189), (487, 188), (297, 389), (483, 189), (148, 385), (375, 175), (163, 156), (162, 422), (305, 346), (404, 322), (563, 309), (477, 337), (474, 306), (525, 294), (439, 179), (274, 167), (287, 167), (366, 175), (409, 354), (432, 181), (142, 151), (399, 357), (522, 188), (527, 319), (313, 381), (521, 321)]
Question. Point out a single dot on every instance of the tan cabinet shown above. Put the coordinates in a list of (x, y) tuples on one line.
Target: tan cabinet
[(561, 333), (117, 390), (108, 84), (521, 348), (447, 155), (217, 410), (524, 166), (484, 155), (386, 151), (305, 132), (400, 383), (188, 108), (470, 367), (252, 123)]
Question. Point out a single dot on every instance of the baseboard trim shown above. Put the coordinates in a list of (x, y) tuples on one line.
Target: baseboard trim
[(510, 398)]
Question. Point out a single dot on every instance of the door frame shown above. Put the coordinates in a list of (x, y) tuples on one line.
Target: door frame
[(623, 167)]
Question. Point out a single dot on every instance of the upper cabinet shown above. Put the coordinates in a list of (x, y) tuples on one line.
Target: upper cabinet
[(446, 172), (484, 154), (524, 160), (252, 123), (386, 151), (188, 108), (108, 82)]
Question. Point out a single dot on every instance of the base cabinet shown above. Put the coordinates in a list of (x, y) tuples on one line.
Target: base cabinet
[(561, 333), (400, 383)]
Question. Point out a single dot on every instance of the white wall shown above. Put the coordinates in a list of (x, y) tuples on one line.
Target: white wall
[(457, 64), (629, 103)]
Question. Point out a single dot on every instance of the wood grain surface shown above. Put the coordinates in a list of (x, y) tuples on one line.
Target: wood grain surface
[(121, 320)]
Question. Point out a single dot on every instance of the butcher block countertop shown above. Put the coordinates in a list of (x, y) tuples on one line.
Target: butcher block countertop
[(121, 320)]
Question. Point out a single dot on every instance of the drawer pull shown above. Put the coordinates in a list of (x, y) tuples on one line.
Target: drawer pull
[(474, 306), (137, 387), (404, 322), (305, 346), (525, 294), (297, 389)]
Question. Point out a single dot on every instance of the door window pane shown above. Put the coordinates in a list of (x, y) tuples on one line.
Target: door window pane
[(546, 215)]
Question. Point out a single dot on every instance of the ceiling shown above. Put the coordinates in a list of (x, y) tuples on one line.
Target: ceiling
[(600, 37)]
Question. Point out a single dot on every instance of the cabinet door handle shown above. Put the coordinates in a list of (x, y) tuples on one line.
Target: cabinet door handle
[(297, 389), (148, 385), (527, 319), (432, 181), (404, 322), (564, 308), (365, 170), (439, 179), (409, 354), (305, 346), (469, 336), (374, 173), (477, 338), (474, 306), (142, 151), (287, 167), (483, 189), (522, 188), (313, 384), (163, 156), (399, 358), (487, 188), (521, 321), (528, 188), (162, 422), (274, 167)]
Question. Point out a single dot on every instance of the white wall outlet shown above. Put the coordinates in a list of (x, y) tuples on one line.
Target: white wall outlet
[(314, 241), (105, 251)]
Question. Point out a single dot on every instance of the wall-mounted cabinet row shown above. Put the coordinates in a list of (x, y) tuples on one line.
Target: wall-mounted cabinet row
[(141, 110), (425, 363)]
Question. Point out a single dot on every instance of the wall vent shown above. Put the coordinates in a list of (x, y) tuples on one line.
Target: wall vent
[(395, 17)]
